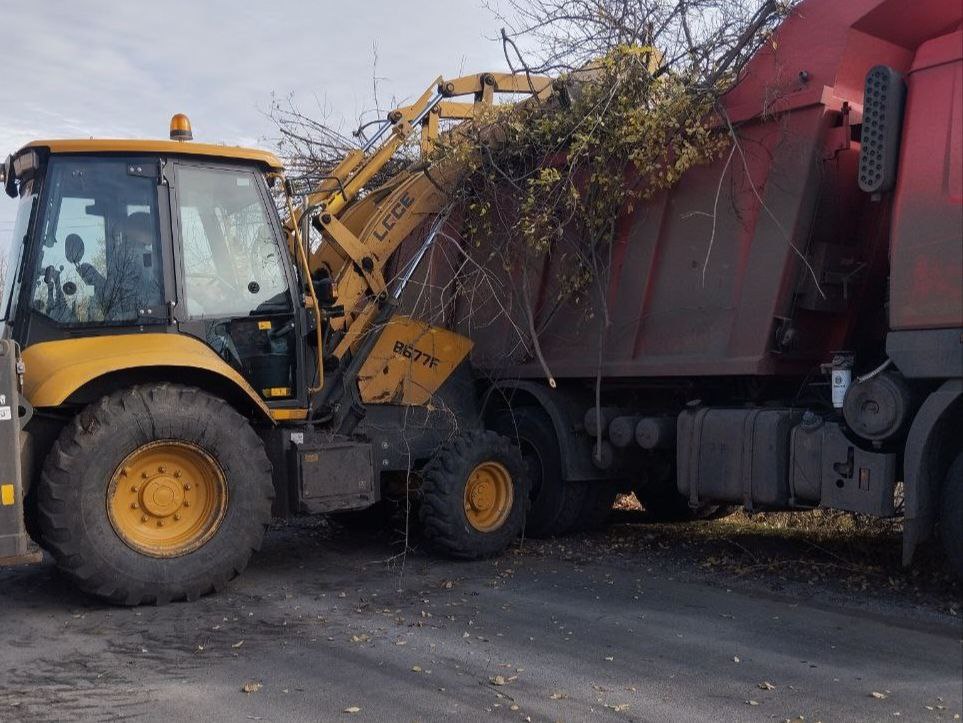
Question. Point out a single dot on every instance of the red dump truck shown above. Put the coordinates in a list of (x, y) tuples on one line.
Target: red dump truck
[(785, 330)]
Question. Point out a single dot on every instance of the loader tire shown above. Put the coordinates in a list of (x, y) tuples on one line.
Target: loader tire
[(951, 516), (555, 502), (475, 495), (153, 494)]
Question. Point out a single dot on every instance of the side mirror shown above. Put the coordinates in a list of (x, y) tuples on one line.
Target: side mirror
[(883, 101), (7, 181), (307, 216), (74, 248)]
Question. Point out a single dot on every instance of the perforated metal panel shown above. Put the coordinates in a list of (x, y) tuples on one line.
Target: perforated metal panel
[(883, 101)]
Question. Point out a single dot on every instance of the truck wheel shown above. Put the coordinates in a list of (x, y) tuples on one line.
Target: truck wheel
[(474, 496), (155, 493), (552, 510), (674, 507), (664, 503), (597, 504), (951, 516)]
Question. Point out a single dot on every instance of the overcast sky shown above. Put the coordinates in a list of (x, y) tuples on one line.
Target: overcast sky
[(106, 68)]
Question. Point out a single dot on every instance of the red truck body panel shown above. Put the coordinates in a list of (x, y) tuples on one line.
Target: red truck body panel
[(926, 245), (708, 278)]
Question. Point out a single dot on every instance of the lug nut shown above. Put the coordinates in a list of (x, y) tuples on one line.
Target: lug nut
[(162, 469), (144, 475), (176, 517), (187, 486), (160, 523), (143, 518), (133, 505), (187, 503)]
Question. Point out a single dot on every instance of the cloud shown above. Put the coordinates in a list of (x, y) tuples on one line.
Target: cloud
[(108, 69)]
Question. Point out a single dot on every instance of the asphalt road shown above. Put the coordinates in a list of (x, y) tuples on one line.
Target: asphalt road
[(327, 625)]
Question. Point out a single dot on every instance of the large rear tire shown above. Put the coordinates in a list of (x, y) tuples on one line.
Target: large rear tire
[(475, 495), (155, 493), (555, 502), (597, 502), (664, 503), (951, 516)]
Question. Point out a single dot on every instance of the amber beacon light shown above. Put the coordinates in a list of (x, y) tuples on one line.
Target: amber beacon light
[(181, 128)]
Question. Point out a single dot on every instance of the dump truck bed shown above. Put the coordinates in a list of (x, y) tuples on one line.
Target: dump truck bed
[(761, 263)]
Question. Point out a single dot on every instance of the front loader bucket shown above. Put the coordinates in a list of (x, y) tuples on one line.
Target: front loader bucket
[(15, 545)]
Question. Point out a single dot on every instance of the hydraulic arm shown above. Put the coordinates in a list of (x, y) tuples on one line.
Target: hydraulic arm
[(362, 230)]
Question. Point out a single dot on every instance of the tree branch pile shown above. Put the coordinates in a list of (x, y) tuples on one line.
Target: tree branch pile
[(637, 86), (638, 83)]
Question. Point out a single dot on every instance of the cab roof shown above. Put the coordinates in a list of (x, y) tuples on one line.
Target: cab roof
[(163, 147)]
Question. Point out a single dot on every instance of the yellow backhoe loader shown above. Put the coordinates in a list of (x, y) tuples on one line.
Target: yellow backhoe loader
[(176, 358)]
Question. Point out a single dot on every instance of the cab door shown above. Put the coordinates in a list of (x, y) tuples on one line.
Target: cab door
[(234, 282)]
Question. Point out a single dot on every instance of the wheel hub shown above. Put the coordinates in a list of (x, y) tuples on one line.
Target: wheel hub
[(167, 498), (162, 497), (488, 496)]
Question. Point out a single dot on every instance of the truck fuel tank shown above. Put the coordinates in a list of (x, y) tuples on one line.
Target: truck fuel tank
[(775, 458)]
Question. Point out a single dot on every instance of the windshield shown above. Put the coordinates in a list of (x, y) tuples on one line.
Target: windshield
[(99, 260), (10, 261)]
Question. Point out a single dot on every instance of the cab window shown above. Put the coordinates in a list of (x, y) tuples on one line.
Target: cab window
[(100, 257), (231, 258)]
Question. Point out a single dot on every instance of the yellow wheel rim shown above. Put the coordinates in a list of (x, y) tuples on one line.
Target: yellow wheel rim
[(167, 498), (488, 496)]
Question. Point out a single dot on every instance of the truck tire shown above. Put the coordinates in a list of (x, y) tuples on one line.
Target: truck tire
[(155, 493), (555, 502), (951, 516), (597, 502), (475, 495), (664, 503), (674, 507)]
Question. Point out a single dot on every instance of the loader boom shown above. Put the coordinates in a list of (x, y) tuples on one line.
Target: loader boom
[(362, 230)]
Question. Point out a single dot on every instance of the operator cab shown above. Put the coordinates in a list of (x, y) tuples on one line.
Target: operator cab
[(133, 237)]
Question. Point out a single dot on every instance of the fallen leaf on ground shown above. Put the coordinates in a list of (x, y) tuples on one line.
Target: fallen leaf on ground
[(416, 668), (352, 709), (498, 680), (619, 707), (251, 686), (766, 685), (752, 702), (558, 696), (877, 695), (238, 644)]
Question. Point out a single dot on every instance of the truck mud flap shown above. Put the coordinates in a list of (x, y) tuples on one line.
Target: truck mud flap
[(16, 547)]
